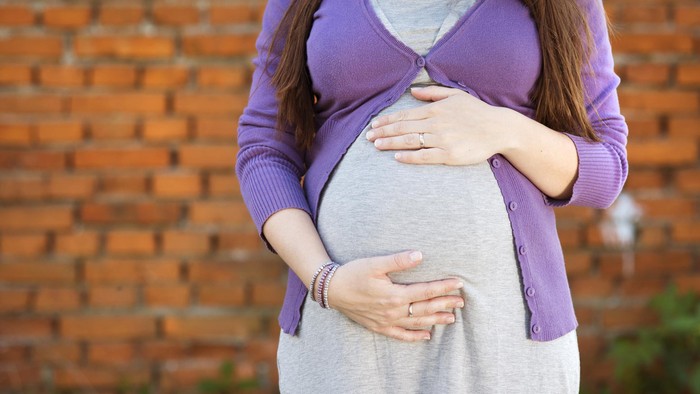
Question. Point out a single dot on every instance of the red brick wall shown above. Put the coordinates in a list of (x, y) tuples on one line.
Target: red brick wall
[(126, 253)]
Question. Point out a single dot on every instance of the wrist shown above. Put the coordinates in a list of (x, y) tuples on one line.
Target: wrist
[(513, 126)]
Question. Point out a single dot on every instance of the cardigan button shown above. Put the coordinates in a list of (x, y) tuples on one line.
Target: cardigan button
[(495, 163), (536, 329), (513, 205), (530, 291), (420, 62), (522, 249)]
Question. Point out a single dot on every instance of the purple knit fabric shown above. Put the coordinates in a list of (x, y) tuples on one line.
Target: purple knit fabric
[(358, 68)]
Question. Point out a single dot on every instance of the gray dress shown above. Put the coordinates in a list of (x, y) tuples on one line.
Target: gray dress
[(374, 205)]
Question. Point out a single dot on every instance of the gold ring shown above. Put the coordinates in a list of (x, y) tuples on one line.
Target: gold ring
[(410, 310), (421, 139)]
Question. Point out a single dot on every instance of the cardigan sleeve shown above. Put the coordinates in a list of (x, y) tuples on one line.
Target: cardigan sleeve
[(602, 166), (268, 165)]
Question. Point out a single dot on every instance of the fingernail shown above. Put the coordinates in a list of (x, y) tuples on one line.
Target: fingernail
[(416, 88), (374, 123), (460, 305), (378, 142), (415, 256), (460, 285), (427, 337), (369, 134), (451, 319)]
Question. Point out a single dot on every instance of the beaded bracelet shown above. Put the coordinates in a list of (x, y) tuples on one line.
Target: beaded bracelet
[(313, 278), (327, 284), (321, 281)]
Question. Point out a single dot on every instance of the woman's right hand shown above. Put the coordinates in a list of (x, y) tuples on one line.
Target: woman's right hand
[(362, 290)]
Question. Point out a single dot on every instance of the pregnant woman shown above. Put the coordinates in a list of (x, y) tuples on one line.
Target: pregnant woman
[(434, 139)]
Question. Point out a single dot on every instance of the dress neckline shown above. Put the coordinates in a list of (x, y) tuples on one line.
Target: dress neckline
[(387, 36)]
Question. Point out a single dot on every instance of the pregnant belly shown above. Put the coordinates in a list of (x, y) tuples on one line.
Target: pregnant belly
[(374, 205)]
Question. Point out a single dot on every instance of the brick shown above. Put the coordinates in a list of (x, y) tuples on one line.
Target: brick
[(59, 131), (35, 103), (648, 73), (16, 15), (185, 243), (688, 283), (107, 327), (20, 376), (120, 15), (686, 126), (125, 47), (644, 13), (647, 263), (114, 158), (222, 272), (113, 129), (32, 160), (129, 103), (628, 318), (175, 295), (22, 218), (22, 188), (659, 101), (688, 180), (57, 353), (31, 47), (163, 350), (111, 353), (644, 126), (232, 241), (175, 15), (687, 14), (131, 242), (70, 377), (219, 45), (222, 295), (25, 245), (123, 185), (645, 179), (217, 129), (219, 212), (14, 300), (667, 208), (231, 13), (585, 287), (67, 17), (15, 134), (110, 296), (222, 77), (128, 271), (686, 232), (210, 327), (662, 152), (689, 74), (58, 75), (147, 213), (115, 75), (268, 293), (25, 328), (81, 243), (50, 299), (653, 236), (177, 185), (221, 185), (165, 76), (165, 130), (37, 273), (209, 103), (642, 287), (208, 156), (652, 42), (15, 74), (570, 236), (13, 353), (71, 186)]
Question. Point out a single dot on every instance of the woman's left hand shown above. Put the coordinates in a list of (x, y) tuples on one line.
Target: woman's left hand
[(458, 128)]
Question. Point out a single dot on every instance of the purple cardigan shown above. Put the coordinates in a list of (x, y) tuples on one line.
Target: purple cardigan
[(358, 68)]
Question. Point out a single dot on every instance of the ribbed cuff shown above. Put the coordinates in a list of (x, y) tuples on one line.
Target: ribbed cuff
[(600, 175)]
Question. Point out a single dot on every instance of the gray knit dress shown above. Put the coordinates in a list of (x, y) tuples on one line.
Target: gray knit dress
[(374, 205)]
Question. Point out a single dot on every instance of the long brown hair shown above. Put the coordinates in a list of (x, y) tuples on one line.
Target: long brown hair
[(558, 95)]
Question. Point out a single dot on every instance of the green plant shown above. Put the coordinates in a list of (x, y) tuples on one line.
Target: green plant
[(664, 358), (224, 383)]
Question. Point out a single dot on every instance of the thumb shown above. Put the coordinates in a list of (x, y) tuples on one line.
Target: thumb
[(433, 92), (400, 261)]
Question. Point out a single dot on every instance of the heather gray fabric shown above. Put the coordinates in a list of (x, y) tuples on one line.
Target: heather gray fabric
[(373, 205)]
